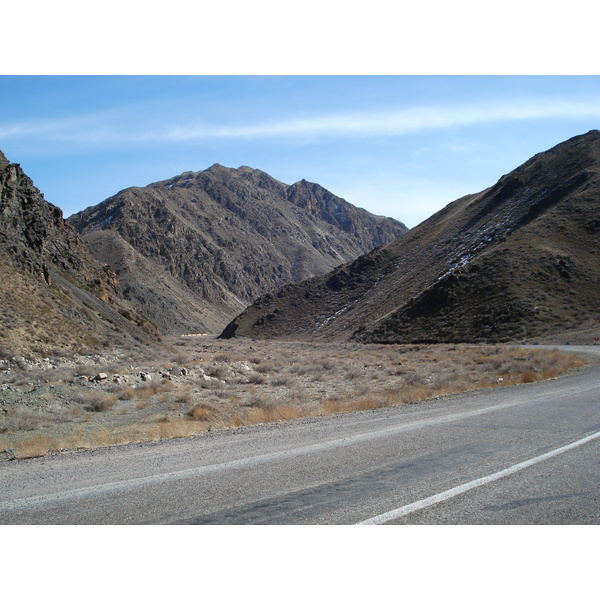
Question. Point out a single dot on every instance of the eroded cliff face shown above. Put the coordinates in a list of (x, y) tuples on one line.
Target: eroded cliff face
[(34, 236), (49, 278)]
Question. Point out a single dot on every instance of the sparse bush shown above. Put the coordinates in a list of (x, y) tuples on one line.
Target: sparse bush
[(201, 412), (305, 379), (265, 367), (529, 377), (211, 384), (217, 371), (172, 427), (34, 445), (85, 370), (97, 401), (22, 418), (182, 397), (282, 380), (126, 393), (102, 404)]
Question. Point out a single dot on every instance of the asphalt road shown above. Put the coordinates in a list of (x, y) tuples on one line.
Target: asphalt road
[(517, 455)]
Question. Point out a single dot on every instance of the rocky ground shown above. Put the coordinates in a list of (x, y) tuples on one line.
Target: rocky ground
[(200, 383)]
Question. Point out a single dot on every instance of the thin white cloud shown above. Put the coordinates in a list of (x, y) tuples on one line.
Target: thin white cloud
[(106, 129), (391, 123)]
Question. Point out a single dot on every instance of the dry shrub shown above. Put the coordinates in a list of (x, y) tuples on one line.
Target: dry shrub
[(236, 420), (367, 403), (529, 376), (211, 384), (103, 404), (416, 394), (287, 412), (98, 438), (22, 418), (126, 393), (86, 370), (356, 373), (282, 380), (201, 412), (259, 415), (304, 379), (144, 392), (182, 397), (217, 371), (77, 413), (265, 367), (97, 401), (370, 402)]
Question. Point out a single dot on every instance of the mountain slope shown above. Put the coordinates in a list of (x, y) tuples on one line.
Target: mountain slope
[(195, 250), (518, 261), (55, 296)]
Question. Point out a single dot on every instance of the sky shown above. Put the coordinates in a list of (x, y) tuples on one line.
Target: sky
[(402, 146)]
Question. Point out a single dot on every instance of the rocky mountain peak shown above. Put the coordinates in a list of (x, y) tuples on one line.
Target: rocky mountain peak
[(224, 236), (34, 232)]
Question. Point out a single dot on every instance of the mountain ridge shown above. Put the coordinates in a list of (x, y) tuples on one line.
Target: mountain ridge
[(214, 240), (464, 260)]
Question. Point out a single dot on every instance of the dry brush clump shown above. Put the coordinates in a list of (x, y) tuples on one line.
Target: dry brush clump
[(97, 400), (21, 418)]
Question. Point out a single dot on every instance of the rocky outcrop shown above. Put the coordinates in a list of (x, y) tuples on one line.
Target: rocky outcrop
[(55, 296), (35, 237)]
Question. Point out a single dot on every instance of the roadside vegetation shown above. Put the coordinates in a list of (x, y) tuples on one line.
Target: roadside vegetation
[(201, 384)]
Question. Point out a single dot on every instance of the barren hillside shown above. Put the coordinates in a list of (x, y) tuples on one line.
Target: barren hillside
[(195, 250), (518, 261), (55, 297)]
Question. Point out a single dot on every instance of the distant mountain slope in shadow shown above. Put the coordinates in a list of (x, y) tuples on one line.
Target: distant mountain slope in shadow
[(518, 261)]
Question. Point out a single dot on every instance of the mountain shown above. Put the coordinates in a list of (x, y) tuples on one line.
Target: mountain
[(55, 297), (195, 250), (517, 261)]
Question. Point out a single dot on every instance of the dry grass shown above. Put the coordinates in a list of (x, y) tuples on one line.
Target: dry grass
[(201, 412), (239, 383)]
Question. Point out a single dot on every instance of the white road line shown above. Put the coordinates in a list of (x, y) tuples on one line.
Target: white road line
[(465, 487)]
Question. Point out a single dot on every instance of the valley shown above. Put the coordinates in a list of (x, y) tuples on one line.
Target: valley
[(224, 299)]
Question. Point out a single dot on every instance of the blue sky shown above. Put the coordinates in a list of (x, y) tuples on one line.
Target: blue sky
[(402, 146)]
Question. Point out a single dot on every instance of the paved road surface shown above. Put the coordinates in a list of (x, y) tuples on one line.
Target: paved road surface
[(525, 454)]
